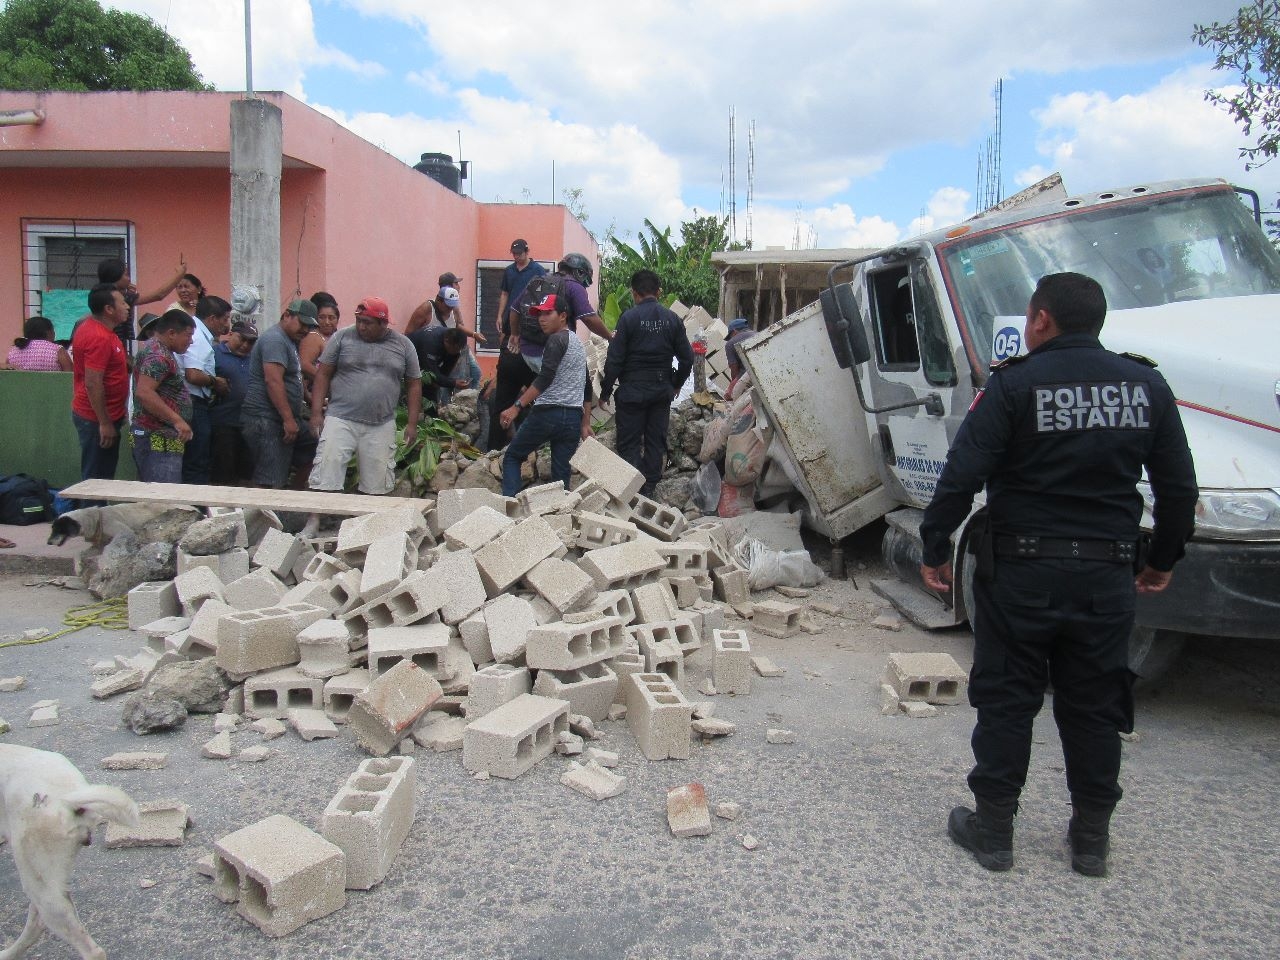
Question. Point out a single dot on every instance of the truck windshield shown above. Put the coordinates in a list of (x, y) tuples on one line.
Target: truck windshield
[(1187, 246)]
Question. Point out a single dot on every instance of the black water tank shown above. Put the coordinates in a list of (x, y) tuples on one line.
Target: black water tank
[(439, 167)]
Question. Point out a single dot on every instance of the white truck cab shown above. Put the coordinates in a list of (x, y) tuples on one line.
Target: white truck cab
[(867, 387)]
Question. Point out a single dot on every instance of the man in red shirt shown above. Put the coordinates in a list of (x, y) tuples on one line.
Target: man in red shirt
[(100, 383)]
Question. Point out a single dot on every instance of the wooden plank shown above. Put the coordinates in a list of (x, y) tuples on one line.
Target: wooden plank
[(194, 494)]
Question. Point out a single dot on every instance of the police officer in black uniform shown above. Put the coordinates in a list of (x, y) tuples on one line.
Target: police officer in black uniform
[(1059, 437), (648, 338)]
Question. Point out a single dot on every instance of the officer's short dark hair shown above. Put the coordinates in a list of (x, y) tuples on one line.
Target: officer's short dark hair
[(207, 307), (1076, 302), (101, 297), (174, 319), (110, 270), (646, 283), (455, 339)]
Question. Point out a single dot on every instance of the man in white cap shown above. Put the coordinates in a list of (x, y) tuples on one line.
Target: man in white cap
[(442, 311)]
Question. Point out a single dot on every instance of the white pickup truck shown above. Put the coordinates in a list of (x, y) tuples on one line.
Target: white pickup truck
[(867, 387)]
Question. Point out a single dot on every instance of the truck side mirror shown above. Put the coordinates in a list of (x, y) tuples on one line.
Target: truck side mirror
[(844, 325)]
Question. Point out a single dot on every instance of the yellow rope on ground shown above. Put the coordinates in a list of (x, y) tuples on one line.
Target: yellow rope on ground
[(110, 614)]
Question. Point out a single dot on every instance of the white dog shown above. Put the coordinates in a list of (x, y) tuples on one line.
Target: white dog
[(47, 812)]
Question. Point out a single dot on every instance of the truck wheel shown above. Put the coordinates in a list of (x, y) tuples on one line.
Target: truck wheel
[(1152, 652)]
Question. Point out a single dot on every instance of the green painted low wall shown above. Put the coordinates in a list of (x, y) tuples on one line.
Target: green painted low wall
[(36, 434)]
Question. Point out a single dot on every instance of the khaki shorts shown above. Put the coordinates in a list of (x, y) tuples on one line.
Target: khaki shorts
[(373, 446)]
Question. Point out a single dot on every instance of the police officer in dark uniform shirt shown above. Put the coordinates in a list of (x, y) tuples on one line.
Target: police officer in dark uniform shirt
[(648, 338), (1059, 437)]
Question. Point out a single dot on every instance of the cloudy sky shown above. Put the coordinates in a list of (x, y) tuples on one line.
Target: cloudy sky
[(869, 117)]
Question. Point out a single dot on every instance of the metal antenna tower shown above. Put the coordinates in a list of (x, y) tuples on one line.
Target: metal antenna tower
[(990, 189), (751, 177), (733, 194)]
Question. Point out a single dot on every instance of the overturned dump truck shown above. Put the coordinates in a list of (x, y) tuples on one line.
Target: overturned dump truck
[(866, 387)]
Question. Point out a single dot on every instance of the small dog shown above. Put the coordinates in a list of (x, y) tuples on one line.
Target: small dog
[(47, 813)]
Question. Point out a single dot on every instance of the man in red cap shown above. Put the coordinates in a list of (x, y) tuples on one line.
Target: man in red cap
[(359, 373)]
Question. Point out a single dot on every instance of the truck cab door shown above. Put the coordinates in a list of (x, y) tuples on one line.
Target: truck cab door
[(914, 354)]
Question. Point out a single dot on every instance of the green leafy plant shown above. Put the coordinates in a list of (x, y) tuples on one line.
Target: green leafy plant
[(418, 461)]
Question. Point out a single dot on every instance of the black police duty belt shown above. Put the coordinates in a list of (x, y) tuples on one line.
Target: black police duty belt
[(1060, 548), (658, 375)]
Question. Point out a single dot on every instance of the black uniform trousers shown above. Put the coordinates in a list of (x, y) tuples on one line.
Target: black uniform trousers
[(642, 413), (1065, 622), (513, 376)]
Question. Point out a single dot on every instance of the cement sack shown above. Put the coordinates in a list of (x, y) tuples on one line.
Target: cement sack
[(772, 568)]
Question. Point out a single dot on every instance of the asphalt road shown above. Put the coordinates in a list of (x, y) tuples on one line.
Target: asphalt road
[(853, 857)]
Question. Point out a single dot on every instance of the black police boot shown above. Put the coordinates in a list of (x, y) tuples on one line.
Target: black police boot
[(987, 833), (1089, 833)]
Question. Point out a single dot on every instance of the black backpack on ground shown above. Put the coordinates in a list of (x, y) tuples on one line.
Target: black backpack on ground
[(533, 293), (25, 500)]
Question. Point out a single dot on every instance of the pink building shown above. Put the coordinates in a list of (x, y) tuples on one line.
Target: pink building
[(145, 176)]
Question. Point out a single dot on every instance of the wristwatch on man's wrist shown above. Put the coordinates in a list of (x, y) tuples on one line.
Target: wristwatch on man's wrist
[(518, 404)]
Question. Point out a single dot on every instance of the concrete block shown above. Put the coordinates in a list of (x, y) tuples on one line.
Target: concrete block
[(195, 587), (731, 661), (660, 643), (228, 565), (567, 646), (255, 590), (494, 685), (388, 562), (340, 693), (384, 712), (324, 566), (656, 519), (137, 760), (515, 553), (426, 644), (606, 758), (624, 665), (731, 585), (44, 717), (311, 723), (278, 552), (509, 620), (304, 558), (152, 601), (454, 505), (593, 780), (418, 599), (543, 612), (459, 575), (250, 641), (121, 681), (316, 592), (509, 740), (595, 531), (164, 627), (654, 602), (589, 690), (475, 637), (623, 565), (357, 533), (202, 633), (683, 559), (712, 617), (280, 874), (323, 649), (685, 589), (889, 701), (370, 817), (458, 667), (766, 667), (478, 528), (161, 823), (270, 728), (687, 811), (344, 588), (776, 619), (562, 584), (276, 692), (441, 732), (926, 677), (226, 722), (608, 603), (255, 754), (546, 498), (658, 716), (609, 471)]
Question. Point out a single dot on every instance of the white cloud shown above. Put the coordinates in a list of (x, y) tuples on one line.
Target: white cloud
[(948, 205)]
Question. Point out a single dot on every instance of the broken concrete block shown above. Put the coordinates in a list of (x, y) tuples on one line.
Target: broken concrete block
[(202, 633), (609, 471), (138, 760), (569, 744), (732, 585), (384, 712), (683, 558), (654, 602), (583, 727), (281, 874), (623, 565), (344, 589), (687, 813), (161, 823), (546, 498), (608, 603), (219, 748), (776, 619), (318, 592), (460, 576), (686, 590), (494, 685), (657, 642), (624, 665), (226, 722), (589, 690), (593, 780), (417, 599), (370, 817), (387, 563), (255, 754), (253, 640), (12, 684), (195, 587), (311, 723), (659, 716), (728, 810), (44, 717), (274, 693), (229, 565), (271, 728), (340, 693), (278, 552), (255, 590), (708, 688), (458, 668), (454, 505), (656, 519), (151, 601), (567, 646), (710, 727), (425, 644), (888, 621), (508, 619), (515, 553), (475, 637), (508, 741), (731, 661), (918, 709), (926, 677), (606, 758), (562, 584), (775, 735), (888, 700), (121, 681), (766, 667), (324, 566), (477, 529), (323, 649), (440, 732)]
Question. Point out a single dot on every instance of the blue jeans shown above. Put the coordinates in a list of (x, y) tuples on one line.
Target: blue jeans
[(559, 426), (96, 462)]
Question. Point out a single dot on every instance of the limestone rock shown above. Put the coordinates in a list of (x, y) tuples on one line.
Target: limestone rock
[(145, 714), (196, 684), (211, 536)]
